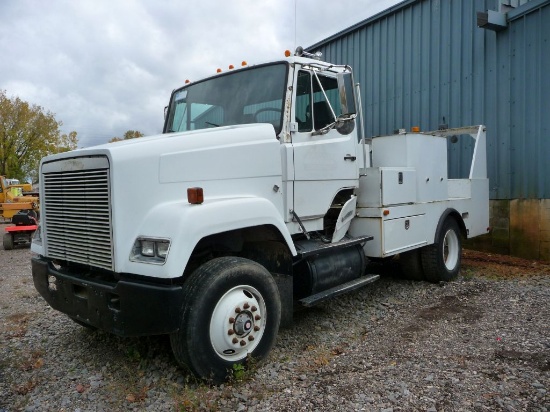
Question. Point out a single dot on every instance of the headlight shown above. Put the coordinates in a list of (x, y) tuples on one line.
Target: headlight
[(147, 250), (162, 249)]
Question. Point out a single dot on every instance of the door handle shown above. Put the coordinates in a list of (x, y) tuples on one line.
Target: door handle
[(350, 157)]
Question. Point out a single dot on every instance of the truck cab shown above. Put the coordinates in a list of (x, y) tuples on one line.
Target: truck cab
[(302, 99)]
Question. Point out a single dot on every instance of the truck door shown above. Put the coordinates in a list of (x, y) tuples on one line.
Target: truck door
[(323, 163)]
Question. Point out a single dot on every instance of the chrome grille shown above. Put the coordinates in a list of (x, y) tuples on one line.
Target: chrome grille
[(77, 213)]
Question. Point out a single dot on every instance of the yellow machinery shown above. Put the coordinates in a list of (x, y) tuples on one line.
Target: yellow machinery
[(14, 198)]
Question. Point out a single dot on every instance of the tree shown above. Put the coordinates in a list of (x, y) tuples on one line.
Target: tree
[(27, 133), (130, 134)]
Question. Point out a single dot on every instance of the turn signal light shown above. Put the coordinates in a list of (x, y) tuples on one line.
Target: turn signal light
[(415, 129), (195, 195)]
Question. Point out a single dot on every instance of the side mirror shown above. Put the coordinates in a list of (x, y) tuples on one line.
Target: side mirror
[(346, 90)]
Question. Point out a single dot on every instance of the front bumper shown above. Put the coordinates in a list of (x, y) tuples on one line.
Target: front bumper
[(124, 307)]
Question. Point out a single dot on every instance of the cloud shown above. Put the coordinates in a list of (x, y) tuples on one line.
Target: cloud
[(104, 67)]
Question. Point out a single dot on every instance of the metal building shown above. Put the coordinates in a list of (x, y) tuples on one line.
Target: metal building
[(462, 62)]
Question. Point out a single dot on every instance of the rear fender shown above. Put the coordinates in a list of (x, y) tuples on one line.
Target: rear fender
[(450, 213)]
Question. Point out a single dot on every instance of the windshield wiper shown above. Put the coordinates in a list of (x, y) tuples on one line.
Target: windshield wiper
[(212, 124)]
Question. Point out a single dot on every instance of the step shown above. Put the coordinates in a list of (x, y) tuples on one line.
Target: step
[(338, 290)]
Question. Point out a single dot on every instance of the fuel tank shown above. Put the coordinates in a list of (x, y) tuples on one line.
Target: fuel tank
[(325, 270)]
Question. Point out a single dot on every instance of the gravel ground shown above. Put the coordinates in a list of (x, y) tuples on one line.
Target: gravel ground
[(481, 343)]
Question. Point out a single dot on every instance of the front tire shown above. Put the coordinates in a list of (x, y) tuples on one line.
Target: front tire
[(232, 311), (441, 261)]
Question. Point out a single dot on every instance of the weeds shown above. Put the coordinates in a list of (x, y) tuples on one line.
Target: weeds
[(26, 387), (35, 361)]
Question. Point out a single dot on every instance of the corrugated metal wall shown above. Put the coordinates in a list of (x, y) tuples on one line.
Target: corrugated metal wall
[(425, 62)]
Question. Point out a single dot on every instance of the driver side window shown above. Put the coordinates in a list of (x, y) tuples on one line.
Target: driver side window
[(322, 112), (313, 110)]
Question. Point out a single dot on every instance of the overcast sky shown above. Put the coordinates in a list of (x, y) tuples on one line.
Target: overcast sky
[(105, 67)]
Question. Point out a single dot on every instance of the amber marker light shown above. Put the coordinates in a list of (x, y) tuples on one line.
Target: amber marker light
[(231, 67), (195, 195), (219, 71), (244, 63), (415, 129), (187, 81), (386, 212), (287, 53)]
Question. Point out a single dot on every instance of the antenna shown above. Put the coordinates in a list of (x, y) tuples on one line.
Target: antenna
[(295, 1)]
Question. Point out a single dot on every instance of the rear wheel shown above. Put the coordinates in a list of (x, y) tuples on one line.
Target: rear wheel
[(8, 241), (410, 263), (441, 261), (231, 312)]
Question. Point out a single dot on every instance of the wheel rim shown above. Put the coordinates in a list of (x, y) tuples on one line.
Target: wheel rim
[(451, 250), (238, 323)]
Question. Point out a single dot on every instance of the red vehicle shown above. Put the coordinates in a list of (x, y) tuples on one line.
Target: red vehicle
[(25, 225)]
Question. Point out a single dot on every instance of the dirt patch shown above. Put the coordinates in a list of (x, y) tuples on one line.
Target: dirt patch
[(539, 360), (502, 266)]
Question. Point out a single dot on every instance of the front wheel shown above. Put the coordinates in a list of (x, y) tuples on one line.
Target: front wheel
[(231, 312), (441, 261)]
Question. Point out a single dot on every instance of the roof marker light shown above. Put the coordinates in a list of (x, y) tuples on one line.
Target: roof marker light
[(187, 81), (219, 71), (231, 67), (287, 53), (244, 63)]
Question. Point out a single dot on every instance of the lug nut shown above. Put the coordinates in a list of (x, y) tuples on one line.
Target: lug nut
[(237, 310), (230, 332), (254, 308), (246, 306), (235, 340), (257, 317), (256, 328), (243, 342), (251, 338), (231, 320)]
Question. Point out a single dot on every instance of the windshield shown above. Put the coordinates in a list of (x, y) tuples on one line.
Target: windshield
[(254, 95)]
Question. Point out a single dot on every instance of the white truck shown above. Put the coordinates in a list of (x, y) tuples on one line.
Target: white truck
[(260, 195)]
